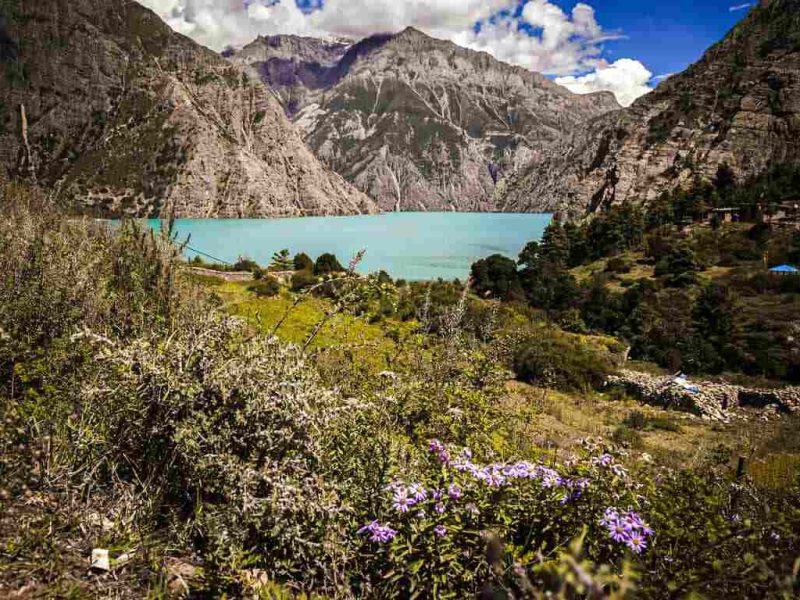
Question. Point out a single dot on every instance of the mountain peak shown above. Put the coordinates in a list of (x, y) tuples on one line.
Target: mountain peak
[(421, 123)]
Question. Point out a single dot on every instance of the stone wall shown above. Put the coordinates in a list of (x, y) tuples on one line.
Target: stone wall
[(706, 399)]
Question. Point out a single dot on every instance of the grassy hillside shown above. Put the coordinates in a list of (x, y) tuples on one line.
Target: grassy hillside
[(378, 445)]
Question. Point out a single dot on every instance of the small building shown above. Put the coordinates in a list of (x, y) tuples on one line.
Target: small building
[(784, 270)]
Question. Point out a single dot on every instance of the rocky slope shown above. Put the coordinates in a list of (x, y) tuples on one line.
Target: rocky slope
[(125, 117), (739, 105), (418, 123)]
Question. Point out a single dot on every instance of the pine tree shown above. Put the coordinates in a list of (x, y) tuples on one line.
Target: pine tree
[(282, 261)]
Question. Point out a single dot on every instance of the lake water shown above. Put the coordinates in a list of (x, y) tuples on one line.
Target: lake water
[(413, 246)]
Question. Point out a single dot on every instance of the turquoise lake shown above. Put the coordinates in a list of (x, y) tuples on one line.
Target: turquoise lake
[(413, 246)]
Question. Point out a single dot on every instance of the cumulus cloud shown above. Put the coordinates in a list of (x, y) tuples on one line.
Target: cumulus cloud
[(538, 35), (542, 38), (626, 78)]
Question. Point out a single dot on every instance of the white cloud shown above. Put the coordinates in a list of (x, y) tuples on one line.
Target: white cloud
[(738, 7), (626, 78), (542, 38), (562, 43)]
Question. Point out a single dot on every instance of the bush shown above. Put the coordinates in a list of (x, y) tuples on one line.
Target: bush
[(266, 287), (303, 262), (246, 264), (327, 264), (554, 359), (625, 436), (636, 420), (619, 264), (496, 276), (302, 280)]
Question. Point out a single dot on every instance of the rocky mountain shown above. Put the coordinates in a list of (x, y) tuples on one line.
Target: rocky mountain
[(739, 105), (415, 122), (122, 116)]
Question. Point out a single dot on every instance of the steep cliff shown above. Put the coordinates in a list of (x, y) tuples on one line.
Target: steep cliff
[(739, 105), (125, 117), (415, 122)]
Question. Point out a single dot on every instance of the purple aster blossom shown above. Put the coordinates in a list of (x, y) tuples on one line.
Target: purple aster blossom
[(369, 527), (620, 532), (582, 483), (378, 533), (492, 475), (417, 491), (454, 491), (439, 508), (402, 502), (466, 454), (634, 521), (437, 494), (610, 517), (619, 471), (636, 542), (444, 456), (775, 536), (604, 460), (440, 530), (435, 446), (462, 465), (549, 477)]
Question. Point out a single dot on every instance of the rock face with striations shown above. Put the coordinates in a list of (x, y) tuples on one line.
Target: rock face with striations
[(125, 117), (415, 122), (739, 105)]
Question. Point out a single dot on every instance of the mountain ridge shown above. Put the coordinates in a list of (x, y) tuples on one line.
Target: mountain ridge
[(126, 117), (738, 106), (419, 123)]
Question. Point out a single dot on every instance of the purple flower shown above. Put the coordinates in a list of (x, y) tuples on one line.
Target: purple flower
[(444, 456), (417, 492), (440, 530), (402, 502), (466, 454), (775, 536), (610, 517), (619, 471), (636, 542), (435, 446), (620, 532), (437, 494), (604, 460), (378, 533), (492, 475), (454, 491), (439, 508)]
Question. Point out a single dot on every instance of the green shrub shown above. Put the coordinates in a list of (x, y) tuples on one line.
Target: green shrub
[(625, 436), (496, 276), (619, 264), (266, 287), (636, 420), (553, 359), (246, 264), (303, 262), (327, 264), (302, 280)]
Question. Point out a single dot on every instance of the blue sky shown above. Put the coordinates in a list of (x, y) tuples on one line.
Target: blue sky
[(666, 36)]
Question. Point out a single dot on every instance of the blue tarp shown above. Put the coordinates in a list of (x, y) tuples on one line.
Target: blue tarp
[(784, 269)]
